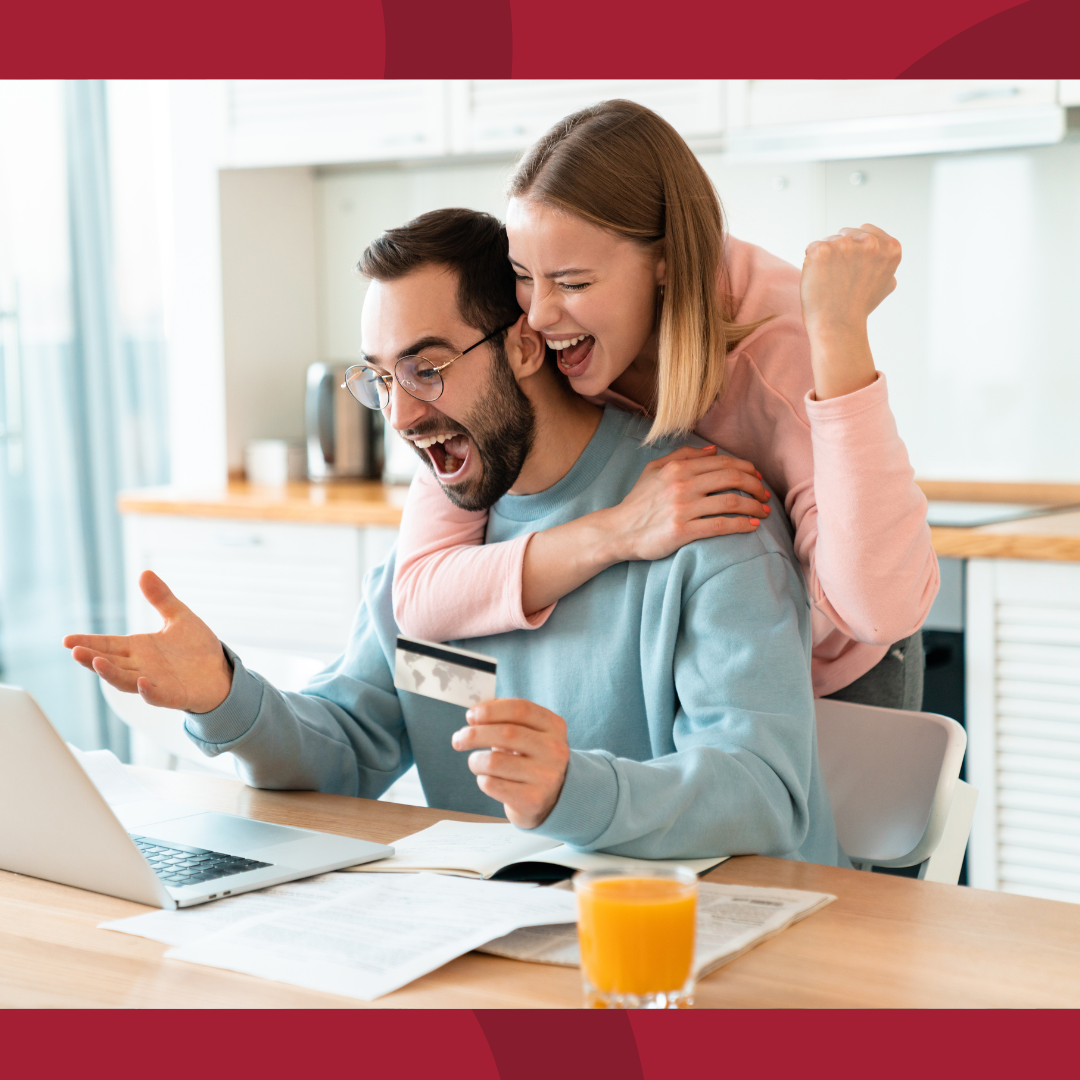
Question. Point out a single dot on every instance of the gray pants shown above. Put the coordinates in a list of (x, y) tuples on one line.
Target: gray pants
[(894, 682)]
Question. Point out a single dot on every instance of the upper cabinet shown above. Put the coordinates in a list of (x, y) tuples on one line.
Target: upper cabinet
[(324, 122), (829, 119), (494, 116)]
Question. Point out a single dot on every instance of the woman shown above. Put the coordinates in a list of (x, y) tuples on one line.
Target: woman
[(616, 236)]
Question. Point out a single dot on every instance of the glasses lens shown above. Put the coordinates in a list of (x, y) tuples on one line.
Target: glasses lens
[(366, 385), (419, 377)]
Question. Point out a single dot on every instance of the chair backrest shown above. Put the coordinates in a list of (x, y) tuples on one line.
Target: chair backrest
[(890, 775)]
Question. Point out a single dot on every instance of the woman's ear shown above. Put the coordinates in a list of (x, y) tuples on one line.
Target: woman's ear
[(524, 349)]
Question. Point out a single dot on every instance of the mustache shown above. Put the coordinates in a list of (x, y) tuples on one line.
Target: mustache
[(434, 426)]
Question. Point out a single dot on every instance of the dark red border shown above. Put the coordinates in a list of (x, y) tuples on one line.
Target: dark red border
[(526, 39), (559, 1045)]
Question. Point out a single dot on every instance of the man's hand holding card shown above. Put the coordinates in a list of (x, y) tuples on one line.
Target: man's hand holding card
[(518, 750)]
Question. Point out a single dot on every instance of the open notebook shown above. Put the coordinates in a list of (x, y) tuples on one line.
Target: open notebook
[(471, 849)]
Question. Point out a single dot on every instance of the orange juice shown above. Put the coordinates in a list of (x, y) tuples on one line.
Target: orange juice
[(636, 932)]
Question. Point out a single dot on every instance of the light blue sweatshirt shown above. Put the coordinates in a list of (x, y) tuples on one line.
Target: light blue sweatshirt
[(685, 685)]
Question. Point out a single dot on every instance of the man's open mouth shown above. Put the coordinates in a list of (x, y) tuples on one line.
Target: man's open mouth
[(449, 453)]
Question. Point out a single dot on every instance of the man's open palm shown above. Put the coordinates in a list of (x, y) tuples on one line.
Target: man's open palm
[(182, 666)]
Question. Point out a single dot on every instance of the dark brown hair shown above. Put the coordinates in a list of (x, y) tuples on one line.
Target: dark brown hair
[(620, 166), (470, 243)]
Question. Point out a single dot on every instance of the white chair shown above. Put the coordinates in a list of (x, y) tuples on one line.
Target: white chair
[(893, 780)]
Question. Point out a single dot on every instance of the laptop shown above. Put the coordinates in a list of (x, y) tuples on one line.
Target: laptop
[(55, 824)]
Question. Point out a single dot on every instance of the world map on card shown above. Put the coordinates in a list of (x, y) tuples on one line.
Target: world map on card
[(441, 679)]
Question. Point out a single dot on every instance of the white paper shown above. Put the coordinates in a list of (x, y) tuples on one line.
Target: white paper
[(385, 932), (730, 920), (564, 855), (187, 925), (463, 847), (469, 848)]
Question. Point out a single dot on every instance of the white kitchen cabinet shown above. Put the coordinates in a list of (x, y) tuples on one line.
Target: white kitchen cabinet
[(507, 115), (282, 588), (759, 102), (326, 121), (831, 119), (1023, 719)]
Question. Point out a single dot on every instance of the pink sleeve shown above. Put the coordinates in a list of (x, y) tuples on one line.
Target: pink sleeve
[(448, 583), (839, 466), (874, 572)]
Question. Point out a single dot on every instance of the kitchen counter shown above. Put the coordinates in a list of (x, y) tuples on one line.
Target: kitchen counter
[(354, 502), (1054, 537)]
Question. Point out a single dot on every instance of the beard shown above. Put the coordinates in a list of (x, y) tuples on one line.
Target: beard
[(501, 429)]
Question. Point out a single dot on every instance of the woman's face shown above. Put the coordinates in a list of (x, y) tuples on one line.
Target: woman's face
[(590, 292)]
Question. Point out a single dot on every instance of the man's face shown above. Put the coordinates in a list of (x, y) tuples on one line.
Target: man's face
[(476, 435)]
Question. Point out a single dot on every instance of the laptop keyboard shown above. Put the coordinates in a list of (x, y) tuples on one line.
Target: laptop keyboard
[(177, 864)]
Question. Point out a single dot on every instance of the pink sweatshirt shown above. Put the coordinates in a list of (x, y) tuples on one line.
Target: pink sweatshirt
[(839, 466)]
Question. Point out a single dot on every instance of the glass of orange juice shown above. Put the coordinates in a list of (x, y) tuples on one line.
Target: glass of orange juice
[(636, 929)]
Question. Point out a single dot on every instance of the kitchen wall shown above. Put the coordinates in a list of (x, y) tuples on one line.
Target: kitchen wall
[(270, 297), (980, 342)]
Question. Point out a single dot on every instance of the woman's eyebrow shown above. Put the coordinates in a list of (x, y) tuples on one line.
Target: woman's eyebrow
[(556, 273)]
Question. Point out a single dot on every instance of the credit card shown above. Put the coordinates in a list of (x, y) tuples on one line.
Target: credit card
[(443, 672)]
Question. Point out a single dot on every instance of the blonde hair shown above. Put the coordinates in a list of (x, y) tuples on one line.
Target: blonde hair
[(620, 166)]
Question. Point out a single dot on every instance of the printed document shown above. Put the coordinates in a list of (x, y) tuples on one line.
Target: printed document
[(382, 933), (730, 920), (187, 925)]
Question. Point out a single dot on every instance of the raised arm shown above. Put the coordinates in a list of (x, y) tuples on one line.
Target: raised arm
[(814, 414), (449, 584), (875, 572)]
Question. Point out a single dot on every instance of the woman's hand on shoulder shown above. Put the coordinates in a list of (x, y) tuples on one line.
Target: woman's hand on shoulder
[(677, 499), (845, 276)]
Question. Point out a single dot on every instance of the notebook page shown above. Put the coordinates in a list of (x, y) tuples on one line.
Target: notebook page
[(465, 848)]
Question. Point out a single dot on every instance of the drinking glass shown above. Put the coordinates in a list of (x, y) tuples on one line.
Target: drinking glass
[(636, 928)]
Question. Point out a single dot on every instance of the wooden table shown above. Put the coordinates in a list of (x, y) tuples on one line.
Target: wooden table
[(885, 942)]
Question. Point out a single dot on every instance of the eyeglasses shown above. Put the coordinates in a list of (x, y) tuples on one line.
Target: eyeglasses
[(416, 375)]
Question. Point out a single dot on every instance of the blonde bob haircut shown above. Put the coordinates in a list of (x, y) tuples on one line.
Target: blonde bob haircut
[(620, 166)]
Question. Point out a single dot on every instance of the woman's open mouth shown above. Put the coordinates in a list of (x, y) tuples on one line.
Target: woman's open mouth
[(449, 454), (574, 353)]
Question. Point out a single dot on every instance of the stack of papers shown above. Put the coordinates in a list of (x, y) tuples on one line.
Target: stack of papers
[(355, 936), (731, 919)]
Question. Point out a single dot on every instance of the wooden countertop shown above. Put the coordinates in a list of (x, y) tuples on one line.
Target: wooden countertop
[(886, 942), (339, 502), (1054, 537)]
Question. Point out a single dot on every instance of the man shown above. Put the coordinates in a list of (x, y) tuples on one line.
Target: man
[(664, 710)]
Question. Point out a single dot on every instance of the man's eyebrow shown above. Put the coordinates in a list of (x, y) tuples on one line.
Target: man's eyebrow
[(430, 342), (557, 273)]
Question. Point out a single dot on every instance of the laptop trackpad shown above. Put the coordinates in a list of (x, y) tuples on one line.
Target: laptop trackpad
[(222, 832)]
